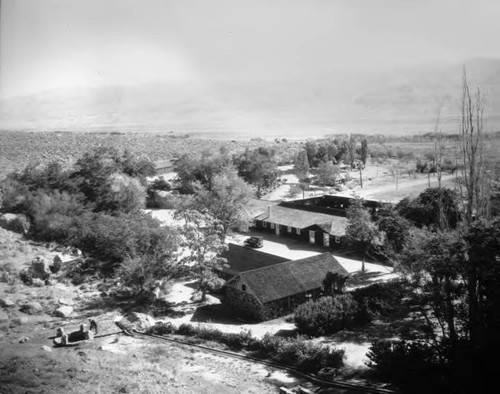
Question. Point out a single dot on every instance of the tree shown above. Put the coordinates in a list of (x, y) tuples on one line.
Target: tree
[(436, 208), (360, 228), (301, 164), (475, 174), (311, 149), (201, 168), (121, 193), (396, 230), (351, 150), (158, 264), (432, 264), (364, 151), (328, 173), (258, 167), (95, 174), (226, 200), (202, 246)]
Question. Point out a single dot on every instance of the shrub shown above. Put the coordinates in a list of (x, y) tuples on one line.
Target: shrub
[(411, 365), (161, 328), (378, 299), (326, 315)]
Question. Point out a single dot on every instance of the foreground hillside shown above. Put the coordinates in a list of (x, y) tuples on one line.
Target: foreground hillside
[(112, 362)]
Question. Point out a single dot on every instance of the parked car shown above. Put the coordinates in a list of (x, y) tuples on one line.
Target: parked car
[(254, 242)]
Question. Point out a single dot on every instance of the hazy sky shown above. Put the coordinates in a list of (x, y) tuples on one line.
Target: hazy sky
[(47, 44)]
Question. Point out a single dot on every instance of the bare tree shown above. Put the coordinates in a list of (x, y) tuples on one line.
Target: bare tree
[(476, 180), (475, 188)]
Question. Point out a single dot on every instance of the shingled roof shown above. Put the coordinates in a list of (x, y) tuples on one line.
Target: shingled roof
[(300, 218), (289, 278), (240, 259)]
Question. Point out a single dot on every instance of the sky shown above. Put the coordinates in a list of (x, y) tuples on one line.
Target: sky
[(46, 45)]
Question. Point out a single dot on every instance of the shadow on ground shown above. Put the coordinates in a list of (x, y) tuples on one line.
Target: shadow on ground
[(218, 313)]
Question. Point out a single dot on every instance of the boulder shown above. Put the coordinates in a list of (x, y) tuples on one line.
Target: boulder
[(3, 317), (63, 311), (6, 302), (18, 223), (46, 348), (139, 321), (31, 308), (37, 282), (24, 340), (66, 301), (5, 277)]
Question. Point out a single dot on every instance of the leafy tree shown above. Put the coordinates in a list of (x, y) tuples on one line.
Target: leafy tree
[(201, 168), (360, 228), (225, 201), (364, 151), (311, 149), (328, 173), (53, 214), (258, 167), (434, 208), (202, 245), (350, 145), (158, 264), (301, 164), (121, 193), (396, 230), (433, 265)]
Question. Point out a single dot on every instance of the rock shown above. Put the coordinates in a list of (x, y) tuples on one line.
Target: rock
[(46, 348), (50, 282), (5, 277), (6, 302), (37, 282), (66, 301), (139, 321), (3, 316), (24, 340), (31, 308), (84, 287), (63, 311), (20, 320), (18, 223)]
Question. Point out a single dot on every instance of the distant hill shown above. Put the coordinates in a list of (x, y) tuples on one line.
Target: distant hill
[(402, 101)]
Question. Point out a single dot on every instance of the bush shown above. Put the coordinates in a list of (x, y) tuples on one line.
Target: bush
[(161, 328), (413, 366), (379, 299), (326, 315)]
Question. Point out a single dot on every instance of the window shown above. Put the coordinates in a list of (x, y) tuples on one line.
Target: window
[(289, 229), (337, 239), (326, 239), (264, 224), (244, 287), (312, 237), (297, 231), (272, 225)]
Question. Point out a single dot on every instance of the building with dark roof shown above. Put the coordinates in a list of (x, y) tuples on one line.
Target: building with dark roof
[(243, 258), (313, 227), (318, 220), (277, 289)]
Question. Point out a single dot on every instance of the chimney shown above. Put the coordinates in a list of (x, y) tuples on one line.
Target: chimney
[(268, 211)]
